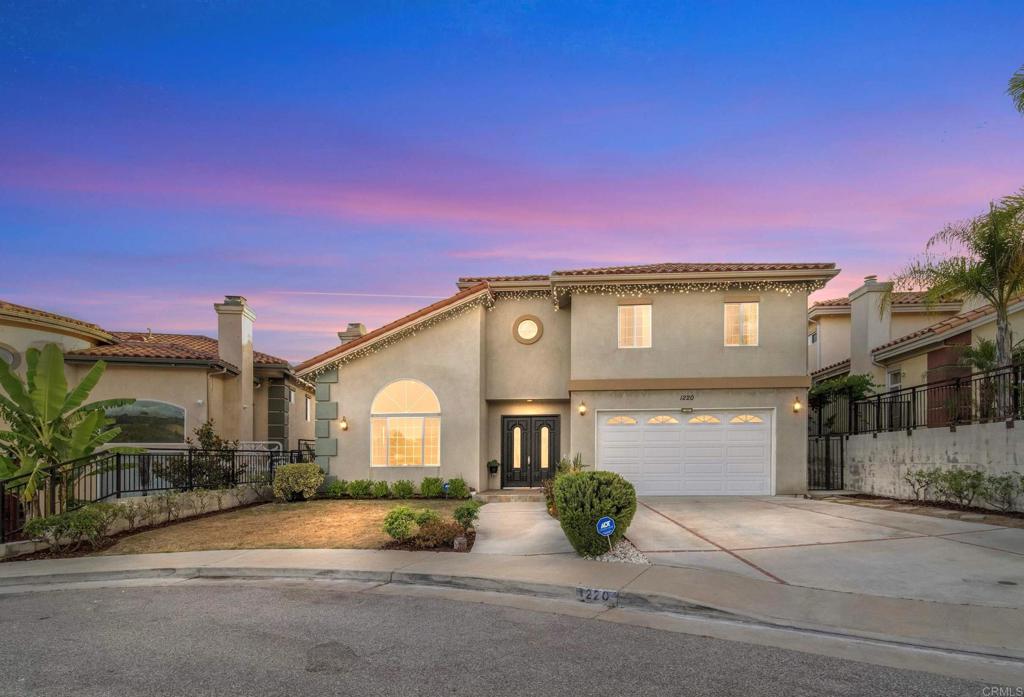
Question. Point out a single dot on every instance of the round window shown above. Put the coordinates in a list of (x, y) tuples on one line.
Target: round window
[(9, 356), (527, 329)]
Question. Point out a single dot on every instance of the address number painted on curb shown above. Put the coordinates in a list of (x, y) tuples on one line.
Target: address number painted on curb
[(597, 595)]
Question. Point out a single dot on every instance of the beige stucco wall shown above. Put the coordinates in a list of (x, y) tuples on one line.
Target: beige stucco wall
[(259, 413), (904, 323), (495, 410), (183, 387), (22, 338), (833, 342), (790, 428), (688, 338), (446, 357), (519, 371), (298, 426)]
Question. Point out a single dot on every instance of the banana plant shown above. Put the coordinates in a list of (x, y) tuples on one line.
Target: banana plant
[(47, 424)]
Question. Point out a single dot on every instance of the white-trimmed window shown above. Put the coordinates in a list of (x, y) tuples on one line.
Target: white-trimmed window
[(894, 379), (634, 326), (309, 408), (405, 426), (741, 324), (291, 396)]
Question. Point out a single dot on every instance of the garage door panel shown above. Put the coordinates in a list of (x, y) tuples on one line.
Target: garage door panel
[(690, 458)]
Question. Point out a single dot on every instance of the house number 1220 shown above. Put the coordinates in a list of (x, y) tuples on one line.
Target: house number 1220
[(687, 397)]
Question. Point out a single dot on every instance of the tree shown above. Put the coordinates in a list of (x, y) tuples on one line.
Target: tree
[(1016, 89), (48, 424), (982, 257)]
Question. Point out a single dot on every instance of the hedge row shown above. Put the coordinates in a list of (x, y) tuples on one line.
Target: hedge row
[(429, 488), (963, 485)]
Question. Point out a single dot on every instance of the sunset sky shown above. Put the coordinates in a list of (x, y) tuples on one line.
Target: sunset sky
[(342, 162)]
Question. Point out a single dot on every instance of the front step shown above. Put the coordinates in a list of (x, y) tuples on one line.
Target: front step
[(510, 496)]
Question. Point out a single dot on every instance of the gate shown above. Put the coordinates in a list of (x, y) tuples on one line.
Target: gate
[(825, 463)]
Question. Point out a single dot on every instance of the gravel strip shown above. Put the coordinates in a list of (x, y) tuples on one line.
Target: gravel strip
[(623, 552)]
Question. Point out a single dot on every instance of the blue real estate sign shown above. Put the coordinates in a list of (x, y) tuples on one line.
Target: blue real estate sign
[(605, 526)]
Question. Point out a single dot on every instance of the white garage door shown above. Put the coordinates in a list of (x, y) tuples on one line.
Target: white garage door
[(700, 453)]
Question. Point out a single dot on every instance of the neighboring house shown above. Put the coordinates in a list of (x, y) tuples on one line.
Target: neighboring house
[(179, 380), (843, 332), (682, 377)]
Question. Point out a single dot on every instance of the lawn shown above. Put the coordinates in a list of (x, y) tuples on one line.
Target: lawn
[(311, 524)]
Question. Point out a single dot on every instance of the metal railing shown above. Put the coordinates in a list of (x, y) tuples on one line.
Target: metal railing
[(986, 397), (825, 463), (108, 475)]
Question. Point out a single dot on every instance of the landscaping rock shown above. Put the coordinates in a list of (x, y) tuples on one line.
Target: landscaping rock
[(624, 552)]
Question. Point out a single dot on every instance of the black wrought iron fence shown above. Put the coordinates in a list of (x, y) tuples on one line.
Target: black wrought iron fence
[(825, 463), (106, 475), (986, 397)]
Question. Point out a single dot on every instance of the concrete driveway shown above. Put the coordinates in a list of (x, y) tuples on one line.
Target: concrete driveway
[(836, 546)]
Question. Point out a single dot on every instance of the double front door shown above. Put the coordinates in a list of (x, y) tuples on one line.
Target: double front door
[(529, 449)]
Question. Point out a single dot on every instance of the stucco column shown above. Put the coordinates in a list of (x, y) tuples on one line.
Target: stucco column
[(234, 345)]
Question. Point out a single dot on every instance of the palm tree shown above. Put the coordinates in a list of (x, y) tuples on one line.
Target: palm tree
[(978, 258), (1016, 89)]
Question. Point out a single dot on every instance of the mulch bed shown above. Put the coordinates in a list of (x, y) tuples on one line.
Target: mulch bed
[(408, 546), (1013, 518)]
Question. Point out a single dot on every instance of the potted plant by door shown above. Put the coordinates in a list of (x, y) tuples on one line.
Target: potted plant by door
[(492, 466)]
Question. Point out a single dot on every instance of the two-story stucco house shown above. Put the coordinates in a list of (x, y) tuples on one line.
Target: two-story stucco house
[(685, 378)]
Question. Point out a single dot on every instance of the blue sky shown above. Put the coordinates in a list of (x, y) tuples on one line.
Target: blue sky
[(346, 162)]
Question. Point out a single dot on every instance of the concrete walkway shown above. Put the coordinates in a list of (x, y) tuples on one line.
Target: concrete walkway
[(832, 546), (990, 630), (519, 528)]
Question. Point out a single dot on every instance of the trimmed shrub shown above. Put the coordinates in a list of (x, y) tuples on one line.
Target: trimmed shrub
[(337, 489), (398, 523), (297, 481), (1002, 490), (466, 514), (431, 488), (380, 490), (960, 484), (360, 488), (584, 497), (457, 488), (403, 489), (67, 531), (548, 485), (427, 515), (437, 533)]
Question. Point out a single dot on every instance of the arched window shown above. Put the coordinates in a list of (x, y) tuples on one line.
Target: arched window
[(746, 419), (705, 419), (406, 426), (662, 419), (621, 420), (149, 421)]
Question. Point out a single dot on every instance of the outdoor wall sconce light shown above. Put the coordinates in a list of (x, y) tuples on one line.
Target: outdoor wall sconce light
[(343, 424), (797, 406), (583, 409)]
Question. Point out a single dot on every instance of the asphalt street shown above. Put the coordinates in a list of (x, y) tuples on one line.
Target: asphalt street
[(314, 639)]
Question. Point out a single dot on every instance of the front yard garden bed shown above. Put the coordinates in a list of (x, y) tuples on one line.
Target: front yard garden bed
[(937, 509)]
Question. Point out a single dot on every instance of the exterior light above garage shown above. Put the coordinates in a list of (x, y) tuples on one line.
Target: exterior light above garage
[(583, 408), (343, 424), (797, 406)]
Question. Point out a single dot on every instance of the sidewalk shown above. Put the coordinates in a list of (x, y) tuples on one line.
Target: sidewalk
[(987, 630)]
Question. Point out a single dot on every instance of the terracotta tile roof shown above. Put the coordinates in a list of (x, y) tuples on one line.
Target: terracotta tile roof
[(170, 346), (484, 279), (31, 312), (830, 368), (899, 298), (941, 327), (398, 323), (832, 302), (691, 268)]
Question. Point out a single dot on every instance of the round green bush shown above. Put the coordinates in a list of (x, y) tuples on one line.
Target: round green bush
[(583, 497), (380, 490), (398, 523), (466, 514), (337, 489), (431, 488), (457, 488), (360, 488), (297, 481), (427, 515), (403, 489)]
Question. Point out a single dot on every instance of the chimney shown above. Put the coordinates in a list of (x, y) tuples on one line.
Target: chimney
[(353, 332), (870, 326), (234, 345)]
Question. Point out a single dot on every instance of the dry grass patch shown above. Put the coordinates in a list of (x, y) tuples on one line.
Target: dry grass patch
[(328, 524)]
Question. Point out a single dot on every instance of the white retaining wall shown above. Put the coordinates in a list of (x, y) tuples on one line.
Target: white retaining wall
[(876, 465)]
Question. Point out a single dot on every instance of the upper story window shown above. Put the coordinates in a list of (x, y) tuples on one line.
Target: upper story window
[(634, 326), (309, 408), (9, 356), (406, 426), (812, 338), (741, 324), (894, 379)]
